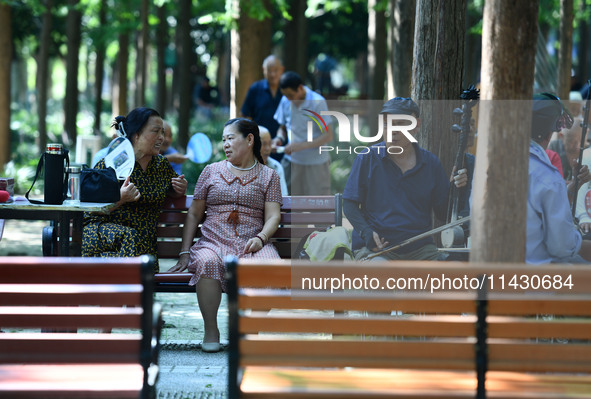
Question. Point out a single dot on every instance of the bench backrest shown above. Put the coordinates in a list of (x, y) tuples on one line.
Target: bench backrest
[(45, 301), (300, 215), (496, 329)]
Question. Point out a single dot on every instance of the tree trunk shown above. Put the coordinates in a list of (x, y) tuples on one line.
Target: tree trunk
[(5, 67), (100, 72), (120, 86), (377, 59), (437, 72), (161, 42), (141, 74), (402, 20), (449, 65), (296, 37), (423, 64), (251, 43), (501, 176), (185, 81), (73, 23), (42, 75), (223, 72), (566, 48)]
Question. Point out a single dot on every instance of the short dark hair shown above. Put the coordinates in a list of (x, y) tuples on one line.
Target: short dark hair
[(548, 116), (290, 80), (134, 122)]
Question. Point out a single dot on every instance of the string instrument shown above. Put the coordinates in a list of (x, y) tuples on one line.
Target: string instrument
[(585, 126), (455, 236)]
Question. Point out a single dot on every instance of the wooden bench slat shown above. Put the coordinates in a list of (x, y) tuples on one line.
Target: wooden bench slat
[(71, 381), (389, 326), (69, 348), (532, 327), (264, 382)]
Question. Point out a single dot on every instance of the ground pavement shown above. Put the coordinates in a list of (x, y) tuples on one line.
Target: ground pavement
[(185, 371)]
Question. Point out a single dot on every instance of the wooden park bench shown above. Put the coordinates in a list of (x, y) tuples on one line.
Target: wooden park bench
[(300, 215), (409, 342), (55, 315)]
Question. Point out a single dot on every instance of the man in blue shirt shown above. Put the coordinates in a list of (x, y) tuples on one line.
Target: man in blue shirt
[(552, 236), (264, 96), (392, 191)]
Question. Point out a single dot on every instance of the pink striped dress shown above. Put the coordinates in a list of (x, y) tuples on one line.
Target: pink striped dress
[(235, 213)]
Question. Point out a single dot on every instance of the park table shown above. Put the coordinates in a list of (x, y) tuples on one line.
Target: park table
[(67, 218)]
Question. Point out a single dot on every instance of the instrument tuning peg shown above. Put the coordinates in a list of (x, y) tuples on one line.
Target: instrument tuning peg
[(458, 111), (456, 128)]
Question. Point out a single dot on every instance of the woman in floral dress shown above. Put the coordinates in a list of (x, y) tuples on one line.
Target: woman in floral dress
[(130, 229), (242, 197)]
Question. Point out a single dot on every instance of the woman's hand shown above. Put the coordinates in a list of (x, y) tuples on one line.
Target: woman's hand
[(129, 192), (179, 185), (181, 264), (253, 245)]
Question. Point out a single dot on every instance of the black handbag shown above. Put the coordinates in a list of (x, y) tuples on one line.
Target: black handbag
[(99, 185)]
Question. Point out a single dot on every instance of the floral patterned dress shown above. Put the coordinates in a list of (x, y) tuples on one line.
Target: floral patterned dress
[(235, 213), (131, 229)]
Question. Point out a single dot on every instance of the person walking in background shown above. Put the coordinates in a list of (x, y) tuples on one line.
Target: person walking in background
[(243, 200), (264, 96), (307, 170), (130, 229), (175, 158)]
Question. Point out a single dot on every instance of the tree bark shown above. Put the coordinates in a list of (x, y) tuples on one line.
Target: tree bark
[(437, 72), (73, 23), (377, 59), (120, 87), (473, 52), (251, 43), (566, 48), (402, 20), (100, 72), (5, 67), (501, 176), (161, 41), (185, 81), (296, 37), (42, 75), (141, 71)]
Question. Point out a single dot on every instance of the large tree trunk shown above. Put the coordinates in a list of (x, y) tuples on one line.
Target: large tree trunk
[(449, 65), (223, 73), (141, 68), (185, 81), (5, 67), (120, 82), (402, 20), (73, 24), (423, 64), (42, 75), (251, 43), (501, 176), (377, 59), (161, 42), (437, 72), (296, 37), (100, 72), (566, 48)]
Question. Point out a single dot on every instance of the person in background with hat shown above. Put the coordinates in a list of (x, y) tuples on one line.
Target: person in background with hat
[(552, 236), (392, 191)]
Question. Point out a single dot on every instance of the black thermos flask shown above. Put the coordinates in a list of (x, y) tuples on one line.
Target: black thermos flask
[(55, 180)]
